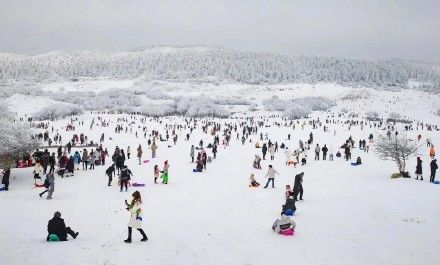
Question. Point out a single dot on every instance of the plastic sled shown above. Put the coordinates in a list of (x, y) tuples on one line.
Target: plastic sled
[(289, 212), (354, 164), (195, 171), (39, 185), (2, 188), (53, 238), (288, 232), (250, 186), (138, 184), (437, 182), (146, 161)]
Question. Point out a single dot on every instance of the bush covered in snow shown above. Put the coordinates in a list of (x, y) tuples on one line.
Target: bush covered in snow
[(394, 116), (57, 111), (299, 107), (200, 107), (372, 115)]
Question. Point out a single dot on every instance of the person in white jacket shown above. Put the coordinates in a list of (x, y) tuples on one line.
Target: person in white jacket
[(271, 176), (272, 152), (330, 153), (288, 156), (135, 216)]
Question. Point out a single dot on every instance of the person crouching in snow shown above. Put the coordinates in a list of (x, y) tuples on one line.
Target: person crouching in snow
[(135, 216), (156, 173), (358, 161), (257, 162), (164, 172), (254, 183), (110, 172), (284, 224)]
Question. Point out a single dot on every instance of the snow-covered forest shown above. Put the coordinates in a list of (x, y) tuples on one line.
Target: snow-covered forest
[(217, 65)]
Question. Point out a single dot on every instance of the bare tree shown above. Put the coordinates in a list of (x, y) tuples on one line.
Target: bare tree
[(397, 149)]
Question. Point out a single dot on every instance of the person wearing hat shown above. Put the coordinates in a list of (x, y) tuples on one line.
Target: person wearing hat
[(57, 227), (164, 172)]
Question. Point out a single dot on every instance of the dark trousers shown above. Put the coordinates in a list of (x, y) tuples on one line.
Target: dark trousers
[(316, 156), (140, 231), (6, 186), (92, 165), (192, 159), (324, 156), (124, 182), (110, 178), (68, 231), (432, 178), (298, 191), (85, 164), (269, 180)]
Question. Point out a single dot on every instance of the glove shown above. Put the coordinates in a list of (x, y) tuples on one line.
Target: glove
[(139, 218)]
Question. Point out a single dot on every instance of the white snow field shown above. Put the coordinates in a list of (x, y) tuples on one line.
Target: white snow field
[(350, 215)]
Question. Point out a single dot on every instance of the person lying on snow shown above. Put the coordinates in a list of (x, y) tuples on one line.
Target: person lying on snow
[(254, 183), (56, 228), (283, 224)]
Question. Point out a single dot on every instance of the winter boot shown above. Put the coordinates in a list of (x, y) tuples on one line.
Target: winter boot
[(144, 236), (128, 240)]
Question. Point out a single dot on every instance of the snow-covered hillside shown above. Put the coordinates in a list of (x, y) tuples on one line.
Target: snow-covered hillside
[(216, 65)]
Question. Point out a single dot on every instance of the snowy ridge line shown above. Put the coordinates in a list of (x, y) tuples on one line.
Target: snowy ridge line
[(218, 65)]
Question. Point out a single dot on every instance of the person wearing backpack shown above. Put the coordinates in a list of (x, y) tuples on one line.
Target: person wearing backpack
[(125, 177)]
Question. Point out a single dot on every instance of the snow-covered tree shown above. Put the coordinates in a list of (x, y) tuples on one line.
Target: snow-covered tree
[(397, 148), (57, 111), (15, 138)]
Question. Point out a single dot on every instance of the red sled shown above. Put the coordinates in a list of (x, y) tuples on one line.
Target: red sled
[(146, 161)]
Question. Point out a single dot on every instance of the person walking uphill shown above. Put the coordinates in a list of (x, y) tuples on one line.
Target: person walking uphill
[(135, 216), (271, 176), (434, 168)]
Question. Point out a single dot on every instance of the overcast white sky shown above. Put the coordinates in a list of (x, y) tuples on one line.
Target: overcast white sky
[(375, 29)]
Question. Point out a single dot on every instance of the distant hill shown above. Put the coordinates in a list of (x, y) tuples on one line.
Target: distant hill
[(212, 64)]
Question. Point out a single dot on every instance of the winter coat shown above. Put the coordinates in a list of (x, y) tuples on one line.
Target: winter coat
[(271, 173), (125, 173), (284, 224), (85, 156), (433, 165), (317, 149), (135, 211), (77, 158), (57, 226), (324, 150), (191, 154), (38, 168), (272, 150), (6, 175), (290, 204), (419, 168), (165, 169), (432, 151), (139, 152)]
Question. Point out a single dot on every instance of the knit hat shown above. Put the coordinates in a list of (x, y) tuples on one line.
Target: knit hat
[(57, 214)]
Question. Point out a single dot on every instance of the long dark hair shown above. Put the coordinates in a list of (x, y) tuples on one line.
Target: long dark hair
[(136, 197)]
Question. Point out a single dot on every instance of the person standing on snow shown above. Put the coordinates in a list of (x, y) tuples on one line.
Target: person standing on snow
[(153, 148), (5, 178), (324, 152), (77, 159), (128, 152), (272, 152), (288, 156), (264, 151), (191, 153), (419, 169), (317, 151), (85, 159), (164, 172), (271, 176), (125, 177), (297, 187), (434, 168), (139, 154), (135, 216)]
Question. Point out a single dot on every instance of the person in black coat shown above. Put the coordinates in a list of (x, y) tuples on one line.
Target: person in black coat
[(290, 204), (324, 152), (5, 179), (110, 172), (264, 150), (298, 188), (419, 172), (434, 167), (57, 227)]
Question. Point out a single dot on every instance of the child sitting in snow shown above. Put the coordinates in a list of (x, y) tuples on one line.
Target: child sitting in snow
[(254, 183), (284, 224), (358, 161)]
